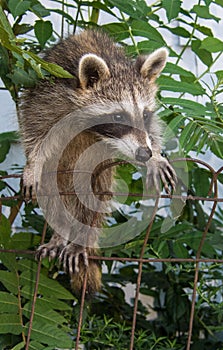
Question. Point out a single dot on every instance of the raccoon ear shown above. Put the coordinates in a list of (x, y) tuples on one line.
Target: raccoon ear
[(92, 68), (150, 67)]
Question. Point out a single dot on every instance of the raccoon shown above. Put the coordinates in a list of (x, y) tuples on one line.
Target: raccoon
[(111, 99)]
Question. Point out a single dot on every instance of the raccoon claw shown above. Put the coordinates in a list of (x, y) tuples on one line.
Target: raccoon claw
[(51, 249), (160, 168), (29, 192), (45, 251), (70, 258)]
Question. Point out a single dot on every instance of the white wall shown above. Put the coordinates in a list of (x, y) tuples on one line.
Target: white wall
[(8, 120)]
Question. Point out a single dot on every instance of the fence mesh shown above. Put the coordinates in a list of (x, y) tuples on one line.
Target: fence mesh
[(213, 198)]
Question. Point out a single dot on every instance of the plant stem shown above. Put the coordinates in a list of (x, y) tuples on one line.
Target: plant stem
[(130, 33), (94, 14)]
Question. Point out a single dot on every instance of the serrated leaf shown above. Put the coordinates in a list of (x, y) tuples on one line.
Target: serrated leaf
[(8, 303), (18, 7), (172, 8), (10, 323), (43, 31), (212, 44)]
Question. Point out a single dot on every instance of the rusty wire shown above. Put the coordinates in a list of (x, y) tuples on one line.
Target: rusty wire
[(212, 197)]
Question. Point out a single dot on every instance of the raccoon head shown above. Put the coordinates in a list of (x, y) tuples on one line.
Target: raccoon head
[(126, 108)]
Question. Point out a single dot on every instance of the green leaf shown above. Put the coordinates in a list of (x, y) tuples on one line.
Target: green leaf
[(8, 303), (50, 335), (144, 29), (219, 74), (4, 150), (19, 29), (203, 54), (21, 78), (52, 68), (34, 345), (179, 31), (186, 134), (43, 31), (5, 229), (47, 286), (18, 7), (201, 181), (168, 83), (204, 30), (39, 9), (172, 8), (119, 31), (19, 346), (5, 141), (188, 106), (203, 12), (10, 323), (173, 126), (212, 44), (219, 2), (175, 69), (43, 315), (9, 280)]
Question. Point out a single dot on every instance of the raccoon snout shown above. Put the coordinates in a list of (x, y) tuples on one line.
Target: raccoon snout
[(143, 154)]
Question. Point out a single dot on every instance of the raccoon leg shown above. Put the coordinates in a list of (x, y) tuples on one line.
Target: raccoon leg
[(158, 167), (28, 182), (74, 259), (51, 249)]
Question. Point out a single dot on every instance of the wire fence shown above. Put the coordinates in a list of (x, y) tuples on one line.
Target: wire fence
[(213, 197)]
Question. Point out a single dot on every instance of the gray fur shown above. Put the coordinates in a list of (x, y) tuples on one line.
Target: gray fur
[(105, 82)]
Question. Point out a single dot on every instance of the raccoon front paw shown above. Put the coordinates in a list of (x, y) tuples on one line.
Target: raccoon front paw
[(50, 250), (159, 168), (71, 256)]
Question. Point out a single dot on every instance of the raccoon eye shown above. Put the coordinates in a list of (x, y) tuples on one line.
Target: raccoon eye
[(118, 118), (147, 114)]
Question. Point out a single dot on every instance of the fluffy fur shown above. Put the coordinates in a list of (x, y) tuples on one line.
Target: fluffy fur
[(108, 85)]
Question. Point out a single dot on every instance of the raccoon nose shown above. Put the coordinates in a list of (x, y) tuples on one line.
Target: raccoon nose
[(143, 154)]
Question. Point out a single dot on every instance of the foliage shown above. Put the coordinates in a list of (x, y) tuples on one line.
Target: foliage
[(193, 111)]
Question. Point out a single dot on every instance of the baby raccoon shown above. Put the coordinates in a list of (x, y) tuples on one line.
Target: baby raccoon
[(111, 101)]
